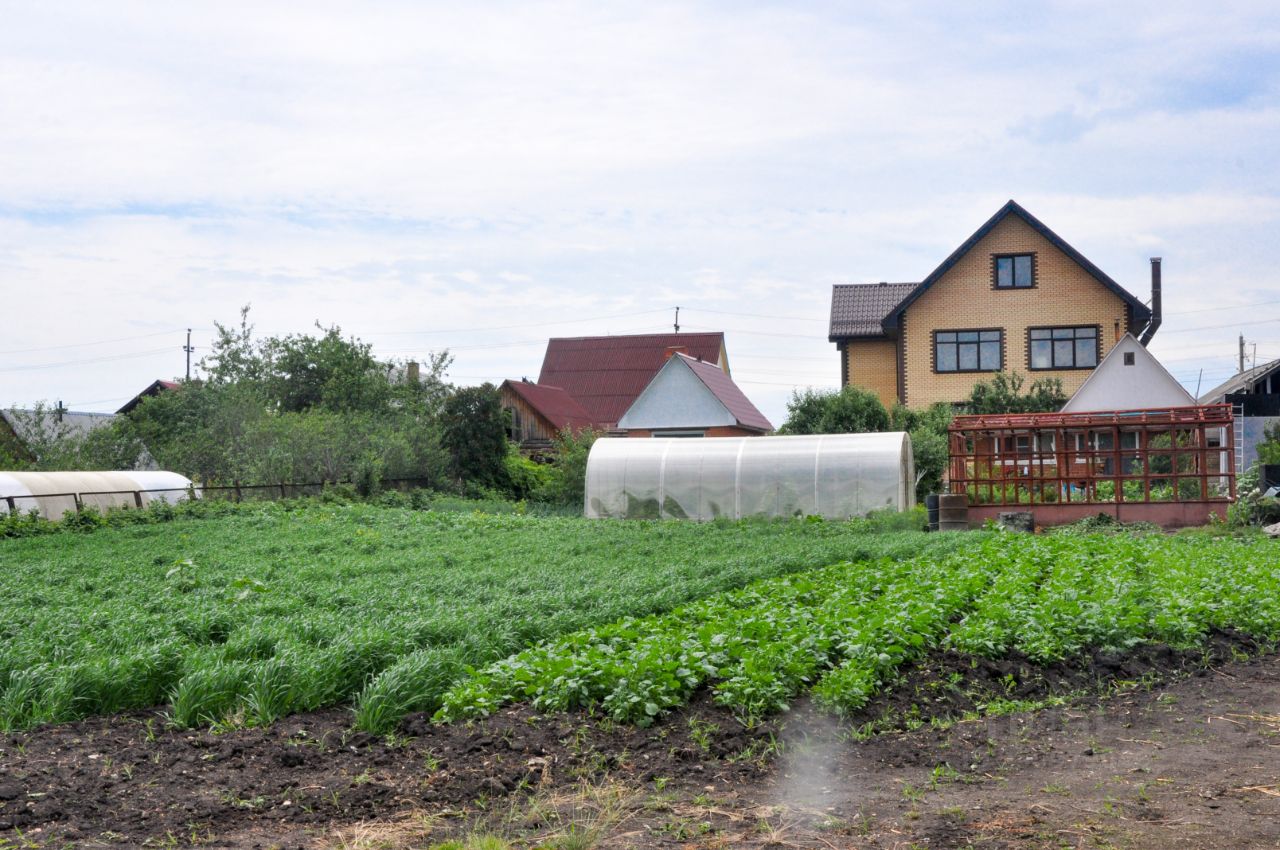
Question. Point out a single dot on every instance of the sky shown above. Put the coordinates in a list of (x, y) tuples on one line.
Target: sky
[(480, 177)]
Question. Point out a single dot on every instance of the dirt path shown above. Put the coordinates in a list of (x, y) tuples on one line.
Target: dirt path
[(1195, 763)]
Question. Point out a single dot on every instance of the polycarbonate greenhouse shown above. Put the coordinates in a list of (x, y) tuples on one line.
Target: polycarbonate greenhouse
[(52, 494), (831, 475)]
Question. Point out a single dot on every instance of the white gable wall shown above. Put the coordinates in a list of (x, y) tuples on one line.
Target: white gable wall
[(676, 398), (1115, 386)]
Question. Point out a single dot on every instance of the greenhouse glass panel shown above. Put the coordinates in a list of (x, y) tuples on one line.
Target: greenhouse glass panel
[(681, 480), (834, 475), (757, 478)]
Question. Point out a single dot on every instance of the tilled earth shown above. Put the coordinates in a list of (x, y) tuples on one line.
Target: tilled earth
[(1183, 751)]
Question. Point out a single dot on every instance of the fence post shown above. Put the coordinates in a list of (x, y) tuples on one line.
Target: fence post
[(137, 498), (239, 497), (282, 494), (76, 498), (13, 506)]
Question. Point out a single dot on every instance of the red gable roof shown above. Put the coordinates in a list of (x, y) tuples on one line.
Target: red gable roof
[(604, 374), (724, 389), (553, 403)]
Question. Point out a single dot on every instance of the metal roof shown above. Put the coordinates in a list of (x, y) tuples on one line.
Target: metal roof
[(1240, 382), (25, 424), (604, 374), (553, 404), (859, 309), (727, 393)]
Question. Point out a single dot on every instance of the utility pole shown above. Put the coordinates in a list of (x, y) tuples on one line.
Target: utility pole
[(677, 320), (1242, 354), (187, 348)]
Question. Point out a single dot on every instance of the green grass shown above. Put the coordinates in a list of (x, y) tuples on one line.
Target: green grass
[(271, 609), (844, 630)]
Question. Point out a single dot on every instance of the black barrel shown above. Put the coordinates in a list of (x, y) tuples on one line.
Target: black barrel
[(931, 506)]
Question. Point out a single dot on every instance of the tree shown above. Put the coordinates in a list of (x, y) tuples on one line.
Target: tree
[(326, 372), (1003, 394), (847, 411), (1269, 448), (475, 435), (930, 447)]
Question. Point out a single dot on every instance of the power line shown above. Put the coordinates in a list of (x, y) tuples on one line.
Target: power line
[(759, 315), (107, 359), (753, 333), (520, 325), (83, 344), (1228, 307), (1220, 327)]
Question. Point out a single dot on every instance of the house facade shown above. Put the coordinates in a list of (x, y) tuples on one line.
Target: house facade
[(598, 381), (692, 398), (1254, 395), (537, 414), (1014, 297), (1128, 378)]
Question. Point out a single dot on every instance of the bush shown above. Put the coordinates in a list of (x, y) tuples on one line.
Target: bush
[(849, 411), (566, 481)]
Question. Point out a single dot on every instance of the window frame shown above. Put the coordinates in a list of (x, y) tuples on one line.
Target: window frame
[(995, 271), (933, 351), (1053, 367)]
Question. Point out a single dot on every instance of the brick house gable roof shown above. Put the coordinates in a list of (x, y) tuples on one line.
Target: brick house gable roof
[(605, 374), (859, 309), (727, 393), (1141, 313), (553, 404)]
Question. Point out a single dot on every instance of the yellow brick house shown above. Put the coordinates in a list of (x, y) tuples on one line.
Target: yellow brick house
[(1014, 297)]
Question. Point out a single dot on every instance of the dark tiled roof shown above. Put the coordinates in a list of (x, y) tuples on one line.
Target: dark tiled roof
[(859, 309), (554, 404), (604, 374), (727, 392)]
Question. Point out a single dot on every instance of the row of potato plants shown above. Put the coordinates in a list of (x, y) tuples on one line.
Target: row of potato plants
[(267, 611), (841, 631)]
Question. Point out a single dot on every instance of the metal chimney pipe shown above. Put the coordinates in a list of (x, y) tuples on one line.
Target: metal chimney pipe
[(1154, 324)]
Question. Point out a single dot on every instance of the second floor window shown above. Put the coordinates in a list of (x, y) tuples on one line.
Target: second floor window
[(1015, 271), (1064, 348), (968, 351)]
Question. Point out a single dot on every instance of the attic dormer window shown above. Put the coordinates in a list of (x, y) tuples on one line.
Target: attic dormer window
[(1015, 271)]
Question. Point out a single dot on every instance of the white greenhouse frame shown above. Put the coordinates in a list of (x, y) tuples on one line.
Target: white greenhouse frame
[(836, 476), (53, 494)]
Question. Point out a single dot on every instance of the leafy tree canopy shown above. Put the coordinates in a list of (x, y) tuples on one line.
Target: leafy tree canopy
[(1003, 394)]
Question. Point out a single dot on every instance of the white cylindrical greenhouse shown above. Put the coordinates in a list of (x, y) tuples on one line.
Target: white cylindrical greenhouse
[(831, 475), (52, 494)]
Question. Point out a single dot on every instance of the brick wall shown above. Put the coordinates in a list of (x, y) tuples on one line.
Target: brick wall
[(1064, 294), (873, 365)]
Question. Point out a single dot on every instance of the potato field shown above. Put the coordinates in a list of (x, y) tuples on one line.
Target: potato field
[(357, 676)]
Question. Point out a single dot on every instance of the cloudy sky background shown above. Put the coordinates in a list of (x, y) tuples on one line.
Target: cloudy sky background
[(479, 179)]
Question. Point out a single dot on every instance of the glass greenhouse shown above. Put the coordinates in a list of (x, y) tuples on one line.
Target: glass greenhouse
[(832, 475), (52, 494)]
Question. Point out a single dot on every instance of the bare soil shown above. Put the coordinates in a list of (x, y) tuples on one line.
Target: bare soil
[(1180, 750)]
